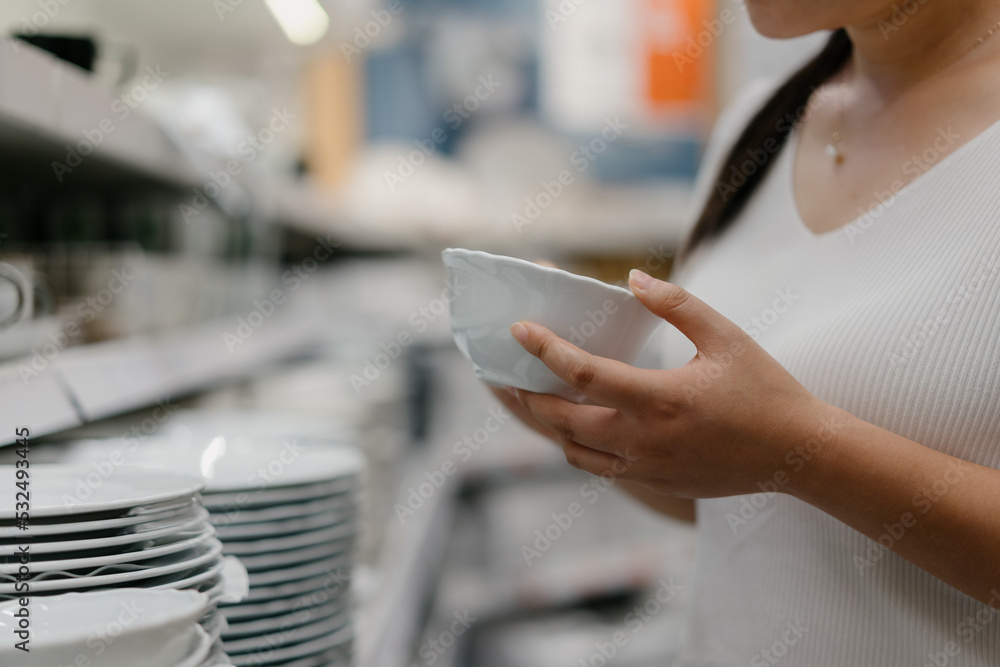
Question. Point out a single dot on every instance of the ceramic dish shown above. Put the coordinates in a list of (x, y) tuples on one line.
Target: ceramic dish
[(196, 578), (295, 573), (62, 490), (114, 559), (298, 541), (296, 635), (321, 575), (65, 626), (493, 292), (297, 652), (341, 490), (172, 529), (234, 462), (199, 647), (338, 657), (293, 618), (293, 518), (234, 533), (207, 555), (246, 612), (80, 526), (281, 561), (197, 424)]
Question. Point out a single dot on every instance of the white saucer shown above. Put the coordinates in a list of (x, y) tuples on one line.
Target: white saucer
[(309, 510), (295, 573), (171, 511), (113, 559), (234, 462), (269, 545), (259, 531), (194, 581), (201, 647), (286, 559), (283, 590), (297, 635), (294, 617), (342, 490), (298, 651), (209, 554), (64, 626), (58, 490), (143, 532)]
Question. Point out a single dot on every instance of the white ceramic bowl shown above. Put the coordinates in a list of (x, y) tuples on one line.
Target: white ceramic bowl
[(125, 626), (493, 292)]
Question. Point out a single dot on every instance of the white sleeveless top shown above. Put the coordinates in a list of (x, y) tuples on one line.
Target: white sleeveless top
[(896, 319)]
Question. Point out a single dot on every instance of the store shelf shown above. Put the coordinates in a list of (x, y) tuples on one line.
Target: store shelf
[(95, 381), (49, 107)]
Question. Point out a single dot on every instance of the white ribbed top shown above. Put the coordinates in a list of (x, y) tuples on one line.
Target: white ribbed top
[(896, 319)]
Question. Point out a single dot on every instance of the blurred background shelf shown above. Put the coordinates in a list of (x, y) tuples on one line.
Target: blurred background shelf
[(51, 111), (91, 382)]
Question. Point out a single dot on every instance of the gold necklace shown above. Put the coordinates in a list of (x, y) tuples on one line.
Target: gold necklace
[(834, 148)]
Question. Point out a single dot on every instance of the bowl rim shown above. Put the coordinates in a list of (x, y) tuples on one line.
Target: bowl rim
[(447, 253)]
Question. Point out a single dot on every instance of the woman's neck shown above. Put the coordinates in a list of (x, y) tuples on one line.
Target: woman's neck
[(897, 52)]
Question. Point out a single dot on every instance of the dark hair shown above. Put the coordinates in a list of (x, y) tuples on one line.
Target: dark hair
[(765, 135)]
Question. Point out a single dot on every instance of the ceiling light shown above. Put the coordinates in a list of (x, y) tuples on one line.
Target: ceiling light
[(304, 21)]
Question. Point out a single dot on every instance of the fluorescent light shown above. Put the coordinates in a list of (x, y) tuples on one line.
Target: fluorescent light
[(304, 21)]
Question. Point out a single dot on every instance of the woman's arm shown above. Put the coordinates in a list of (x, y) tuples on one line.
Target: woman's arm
[(939, 512), (733, 421), (681, 509)]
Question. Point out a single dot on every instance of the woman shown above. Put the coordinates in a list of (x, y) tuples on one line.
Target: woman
[(838, 415)]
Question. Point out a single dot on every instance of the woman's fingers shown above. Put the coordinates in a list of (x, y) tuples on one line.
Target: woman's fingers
[(591, 460), (608, 382), (510, 401), (590, 425), (709, 330)]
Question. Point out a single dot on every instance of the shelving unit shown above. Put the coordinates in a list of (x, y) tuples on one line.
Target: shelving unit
[(91, 382), (48, 106)]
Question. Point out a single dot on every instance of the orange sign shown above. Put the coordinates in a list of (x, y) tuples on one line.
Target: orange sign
[(679, 36)]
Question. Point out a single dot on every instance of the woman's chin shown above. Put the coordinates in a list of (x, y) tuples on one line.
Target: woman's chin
[(773, 19)]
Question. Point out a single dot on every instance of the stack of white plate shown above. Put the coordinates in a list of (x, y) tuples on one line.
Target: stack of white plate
[(287, 508), (121, 627), (92, 528)]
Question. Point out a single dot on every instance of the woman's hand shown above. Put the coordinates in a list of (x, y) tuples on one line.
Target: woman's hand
[(508, 397), (718, 426)]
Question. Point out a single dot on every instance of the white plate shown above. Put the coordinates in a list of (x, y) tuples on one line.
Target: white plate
[(113, 559), (214, 624), (58, 490), (209, 554), (200, 647), (279, 514), (272, 545), (339, 490), (296, 573), (202, 424), (338, 657), (283, 605), (235, 462), (282, 591), (290, 619), (211, 573), (276, 529), (64, 626), (286, 559), (299, 651), (143, 532), (296, 635), (167, 512)]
